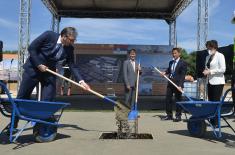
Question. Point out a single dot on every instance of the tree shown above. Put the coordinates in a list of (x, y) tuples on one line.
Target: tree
[(190, 59), (10, 52)]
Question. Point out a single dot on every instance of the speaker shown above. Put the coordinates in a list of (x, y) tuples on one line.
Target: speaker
[(1, 47)]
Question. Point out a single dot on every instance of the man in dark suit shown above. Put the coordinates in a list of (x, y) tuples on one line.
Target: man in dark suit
[(130, 68), (176, 72), (45, 51)]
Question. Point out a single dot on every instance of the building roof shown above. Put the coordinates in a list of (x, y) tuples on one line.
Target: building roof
[(157, 9), (10, 56)]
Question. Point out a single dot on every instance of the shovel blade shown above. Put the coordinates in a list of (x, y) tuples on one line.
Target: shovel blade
[(122, 111)]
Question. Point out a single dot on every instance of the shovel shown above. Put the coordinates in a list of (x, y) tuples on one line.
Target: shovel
[(133, 115), (173, 83), (121, 110)]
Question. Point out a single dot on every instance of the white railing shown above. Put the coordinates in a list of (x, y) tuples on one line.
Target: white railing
[(8, 70)]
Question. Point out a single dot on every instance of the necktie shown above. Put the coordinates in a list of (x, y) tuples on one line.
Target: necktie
[(172, 69), (59, 51), (209, 61)]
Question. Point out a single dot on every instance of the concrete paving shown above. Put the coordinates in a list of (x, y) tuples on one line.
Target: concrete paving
[(80, 134)]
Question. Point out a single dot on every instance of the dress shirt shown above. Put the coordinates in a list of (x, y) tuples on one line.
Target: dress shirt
[(173, 66), (133, 64)]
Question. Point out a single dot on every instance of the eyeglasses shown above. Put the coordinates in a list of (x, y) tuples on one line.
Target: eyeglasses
[(72, 40)]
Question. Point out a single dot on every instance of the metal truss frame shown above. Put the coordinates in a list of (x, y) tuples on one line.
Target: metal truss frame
[(55, 24), (203, 24), (180, 7), (172, 33), (24, 35), (24, 25), (202, 34)]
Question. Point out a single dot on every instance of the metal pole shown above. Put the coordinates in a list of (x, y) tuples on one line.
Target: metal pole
[(202, 34), (172, 33), (24, 36), (39, 91), (203, 22)]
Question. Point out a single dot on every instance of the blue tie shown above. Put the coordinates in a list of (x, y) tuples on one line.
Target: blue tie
[(172, 69), (59, 51)]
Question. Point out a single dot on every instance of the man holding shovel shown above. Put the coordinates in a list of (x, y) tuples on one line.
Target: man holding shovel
[(45, 51), (176, 72), (130, 67)]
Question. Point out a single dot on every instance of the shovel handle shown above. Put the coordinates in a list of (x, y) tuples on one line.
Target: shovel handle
[(137, 84), (75, 83), (168, 79)]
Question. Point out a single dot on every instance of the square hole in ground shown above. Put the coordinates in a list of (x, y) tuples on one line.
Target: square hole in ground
[(114, 135)]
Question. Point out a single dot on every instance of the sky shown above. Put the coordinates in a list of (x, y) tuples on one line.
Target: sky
[(122, 31)]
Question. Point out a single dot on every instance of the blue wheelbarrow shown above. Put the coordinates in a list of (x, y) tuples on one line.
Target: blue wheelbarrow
[(208, 112), (43, 114)]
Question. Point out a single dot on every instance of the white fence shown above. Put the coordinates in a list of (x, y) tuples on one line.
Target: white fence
[(8, 69)]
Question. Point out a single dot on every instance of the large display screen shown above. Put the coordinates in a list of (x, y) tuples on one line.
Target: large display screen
[(105, 66)]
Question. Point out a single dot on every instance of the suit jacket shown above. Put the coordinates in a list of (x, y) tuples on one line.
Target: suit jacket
[(179, 74), (130, 75), (41, 51), (217, 69)]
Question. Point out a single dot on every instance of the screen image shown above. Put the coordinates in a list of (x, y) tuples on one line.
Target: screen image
[(102, 67)]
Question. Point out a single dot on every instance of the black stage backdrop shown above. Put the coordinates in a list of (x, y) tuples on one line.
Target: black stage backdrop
[(227, 51)]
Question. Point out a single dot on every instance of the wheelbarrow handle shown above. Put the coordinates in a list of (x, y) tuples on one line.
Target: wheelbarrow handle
[(77, 84)]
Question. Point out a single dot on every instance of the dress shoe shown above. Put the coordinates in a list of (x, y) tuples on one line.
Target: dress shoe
[(177, 119), (167, 118)]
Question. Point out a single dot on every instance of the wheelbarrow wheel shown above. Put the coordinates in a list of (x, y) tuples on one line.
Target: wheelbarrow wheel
[(196, 128), (45, 132)]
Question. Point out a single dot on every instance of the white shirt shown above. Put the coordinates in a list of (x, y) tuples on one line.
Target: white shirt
[(217, 69), (174, 64), (133, 64), (59, 40)]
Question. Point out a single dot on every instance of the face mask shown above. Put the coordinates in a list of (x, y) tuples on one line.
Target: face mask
[(210, 52), (213, 51)]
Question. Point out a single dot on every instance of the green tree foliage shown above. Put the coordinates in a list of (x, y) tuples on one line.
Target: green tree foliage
[(10, 52), (190, 58)]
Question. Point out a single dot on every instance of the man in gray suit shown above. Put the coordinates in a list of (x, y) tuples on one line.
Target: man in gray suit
[(130, 68)]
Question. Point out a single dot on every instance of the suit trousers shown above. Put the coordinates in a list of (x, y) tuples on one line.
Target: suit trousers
[(27, 85), (171, 90), (130, 96), (214, 92)]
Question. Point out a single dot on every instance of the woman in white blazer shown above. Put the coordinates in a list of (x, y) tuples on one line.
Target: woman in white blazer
[(214, 70)]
